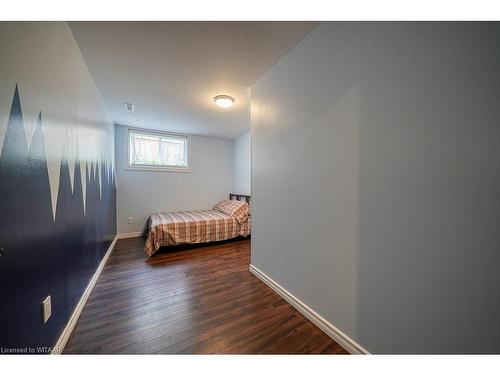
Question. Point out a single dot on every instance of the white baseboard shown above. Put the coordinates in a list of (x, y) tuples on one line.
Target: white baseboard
[(336, 334), (122, 236), (63, 339)]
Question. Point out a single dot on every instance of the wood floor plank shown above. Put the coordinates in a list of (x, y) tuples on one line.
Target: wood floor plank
[(190, 300)]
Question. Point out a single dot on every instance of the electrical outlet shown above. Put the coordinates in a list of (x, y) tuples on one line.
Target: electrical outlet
[(131, 219), (46, 309)]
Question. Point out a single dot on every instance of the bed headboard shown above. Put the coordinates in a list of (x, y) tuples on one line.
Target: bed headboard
[(240, 197)]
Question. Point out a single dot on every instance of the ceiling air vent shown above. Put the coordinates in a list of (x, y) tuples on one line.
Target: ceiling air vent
[(129, 107)]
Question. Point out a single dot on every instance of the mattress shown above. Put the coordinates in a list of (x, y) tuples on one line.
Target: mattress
[(192, 227)]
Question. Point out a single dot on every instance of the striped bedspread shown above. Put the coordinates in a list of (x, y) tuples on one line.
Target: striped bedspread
[(191, 227)]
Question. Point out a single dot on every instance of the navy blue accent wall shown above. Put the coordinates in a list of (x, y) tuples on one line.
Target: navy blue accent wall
[(41, 255)]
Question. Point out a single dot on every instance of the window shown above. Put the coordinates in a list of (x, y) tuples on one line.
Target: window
[(148, 150)]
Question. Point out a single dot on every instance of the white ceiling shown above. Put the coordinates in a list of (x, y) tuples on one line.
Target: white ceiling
[(171, 71)]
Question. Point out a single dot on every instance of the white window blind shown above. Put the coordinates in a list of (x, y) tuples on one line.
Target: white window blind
[(156, 150)]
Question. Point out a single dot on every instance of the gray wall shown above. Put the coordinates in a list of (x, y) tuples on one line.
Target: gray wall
[(242, 164), (141, 193), (376, 180)]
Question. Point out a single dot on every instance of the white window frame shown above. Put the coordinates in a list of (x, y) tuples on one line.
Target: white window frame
[(152, 168)]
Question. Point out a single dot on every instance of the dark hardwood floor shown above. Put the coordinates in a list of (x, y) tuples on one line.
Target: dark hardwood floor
[(190, 300)]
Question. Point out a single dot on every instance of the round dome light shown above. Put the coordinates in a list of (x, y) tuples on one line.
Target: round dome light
[(224, 101)]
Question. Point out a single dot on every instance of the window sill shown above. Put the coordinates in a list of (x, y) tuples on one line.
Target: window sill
[(158, 169)]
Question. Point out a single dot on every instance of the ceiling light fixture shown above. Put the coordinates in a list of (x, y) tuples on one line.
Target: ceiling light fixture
[(129, 107), (224, 101)]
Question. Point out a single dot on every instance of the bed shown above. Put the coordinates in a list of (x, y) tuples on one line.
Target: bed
[(202, 226)]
